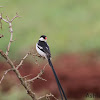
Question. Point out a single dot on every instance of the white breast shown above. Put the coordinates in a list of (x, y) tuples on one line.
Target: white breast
[(40, 52)]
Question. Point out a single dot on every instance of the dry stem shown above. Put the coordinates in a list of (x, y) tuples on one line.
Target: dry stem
[(5, 74), (21, 62), (25, 84), (38, 76), (10, 28), (47, 96), (14, 68)]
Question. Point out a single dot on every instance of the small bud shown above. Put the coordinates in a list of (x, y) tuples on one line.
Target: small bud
[(1, 35)]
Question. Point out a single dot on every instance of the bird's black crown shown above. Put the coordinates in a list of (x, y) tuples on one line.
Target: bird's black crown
[(43, 36)]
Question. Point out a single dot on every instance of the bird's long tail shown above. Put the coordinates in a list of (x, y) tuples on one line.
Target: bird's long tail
[(58, 82)]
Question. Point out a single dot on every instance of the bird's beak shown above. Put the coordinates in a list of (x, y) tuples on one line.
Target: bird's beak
[(45, 38)]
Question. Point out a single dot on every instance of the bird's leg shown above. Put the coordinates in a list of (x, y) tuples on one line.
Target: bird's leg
[(41, 56)]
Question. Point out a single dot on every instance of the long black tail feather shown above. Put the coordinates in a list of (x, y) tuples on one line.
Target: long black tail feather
[(56, 78), (58, 82)]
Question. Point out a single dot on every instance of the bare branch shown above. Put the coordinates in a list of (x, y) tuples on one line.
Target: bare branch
[(5, 74), (15, 17), (27, 76), (38, 76), (21, 62), (3, 18), (47, 96), (25, 84), (37, 55), (42, 78), (11, 30), (0, 20), (11, 38), (14, 68), (8, 19)]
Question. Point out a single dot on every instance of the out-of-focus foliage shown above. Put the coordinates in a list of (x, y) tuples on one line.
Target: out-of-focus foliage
[(71, 25), (14, 94)]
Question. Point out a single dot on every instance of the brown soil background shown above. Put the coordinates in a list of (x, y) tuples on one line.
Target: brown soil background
[(79, 74)]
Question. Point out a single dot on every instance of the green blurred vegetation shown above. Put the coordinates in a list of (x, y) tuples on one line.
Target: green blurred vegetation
[(71, 25), (15, 94)]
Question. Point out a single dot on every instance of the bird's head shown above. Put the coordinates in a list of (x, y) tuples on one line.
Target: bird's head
[(43, 38)]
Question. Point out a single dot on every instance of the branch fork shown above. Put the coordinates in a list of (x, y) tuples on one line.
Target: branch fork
[(15, 68)]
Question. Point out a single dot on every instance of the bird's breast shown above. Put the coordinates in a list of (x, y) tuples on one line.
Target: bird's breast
[(40, 51)]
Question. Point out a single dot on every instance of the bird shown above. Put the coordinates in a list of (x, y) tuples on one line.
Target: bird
[(44, 51)]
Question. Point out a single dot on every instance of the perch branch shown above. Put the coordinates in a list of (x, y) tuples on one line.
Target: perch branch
[(25, 84), (14, 68), (21, 62)]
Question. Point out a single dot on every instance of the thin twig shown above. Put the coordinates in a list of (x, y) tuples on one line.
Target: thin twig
[(8, 18), (5, 74), (42, 78), (37, 55), (21, 62), (23, 80), (38, 76), (11, 37), (10, 28), (27, 76), (3, 18), (47, 96), (25, 84), (15, 17), (0, 20)]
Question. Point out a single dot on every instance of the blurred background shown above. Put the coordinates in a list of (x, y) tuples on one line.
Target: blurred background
[(73, 31)]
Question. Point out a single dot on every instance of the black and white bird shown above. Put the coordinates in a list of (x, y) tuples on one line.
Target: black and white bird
[(43, 49)]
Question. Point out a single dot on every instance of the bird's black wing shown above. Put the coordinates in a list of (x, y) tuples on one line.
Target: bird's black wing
[(45, 48)]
